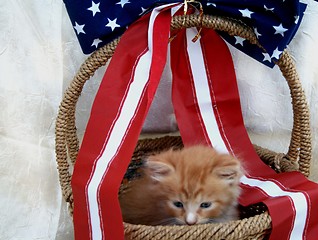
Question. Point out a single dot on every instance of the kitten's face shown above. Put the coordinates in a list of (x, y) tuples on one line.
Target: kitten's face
[(207, 203), (197, 184)]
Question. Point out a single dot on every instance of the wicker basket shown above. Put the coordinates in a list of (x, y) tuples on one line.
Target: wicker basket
[(256, 221)]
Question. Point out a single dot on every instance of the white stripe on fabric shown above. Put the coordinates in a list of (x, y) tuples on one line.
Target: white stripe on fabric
[(175, 9), (299, 200), (120, 127), (153, 16), (201, 85), (129, 106)]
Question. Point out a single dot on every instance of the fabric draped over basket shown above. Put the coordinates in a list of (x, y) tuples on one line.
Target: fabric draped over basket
[(206, 102), (98, 22)]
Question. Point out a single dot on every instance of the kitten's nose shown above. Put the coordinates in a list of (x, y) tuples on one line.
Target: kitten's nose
[(191, 219)]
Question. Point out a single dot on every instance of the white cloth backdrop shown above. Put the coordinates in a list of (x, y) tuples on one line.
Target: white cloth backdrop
[(39, 55)]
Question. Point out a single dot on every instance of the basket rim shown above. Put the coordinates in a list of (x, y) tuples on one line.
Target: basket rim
[(228, 230)]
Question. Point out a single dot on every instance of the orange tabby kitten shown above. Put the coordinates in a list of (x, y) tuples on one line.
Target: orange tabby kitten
[(188, 186)]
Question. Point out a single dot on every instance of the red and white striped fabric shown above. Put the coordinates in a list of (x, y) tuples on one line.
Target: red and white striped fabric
[(208, 111), (207, 107), (117, 114)]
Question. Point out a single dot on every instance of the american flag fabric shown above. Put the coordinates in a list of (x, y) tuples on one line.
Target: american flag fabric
[(207, 106), (97, 22)]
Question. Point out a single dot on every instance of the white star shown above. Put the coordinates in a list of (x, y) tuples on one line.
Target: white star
[(266, 57), (280, 29), (276, 54), (268, 9), (296, 19), (96, 42), (123, 2), (257, 33), (209, 4), (79, 28), (94, 8), (239, 40), (246, 13), (142, 11), (112, 24)]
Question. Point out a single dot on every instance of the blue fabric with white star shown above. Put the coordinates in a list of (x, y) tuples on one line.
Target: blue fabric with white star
[(275, 22)]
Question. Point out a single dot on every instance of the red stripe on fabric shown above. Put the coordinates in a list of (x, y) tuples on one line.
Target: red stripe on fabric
[(231, 125), (111, 92), (101, 120), (108, 190), (119, 164), (312, 222), (297, 182), (238, 137), (186, 110), (279, 209), (160, 47), (114, 223), (223, 86)]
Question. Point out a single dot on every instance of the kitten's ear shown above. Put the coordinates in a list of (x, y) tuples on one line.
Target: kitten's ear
[(229, 170), (157, 170)]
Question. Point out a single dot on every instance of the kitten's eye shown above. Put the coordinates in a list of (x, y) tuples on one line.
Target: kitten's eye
[(178, 204), (205, 205)]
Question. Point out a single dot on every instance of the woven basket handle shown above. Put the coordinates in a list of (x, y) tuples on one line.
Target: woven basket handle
[(67, 144)]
